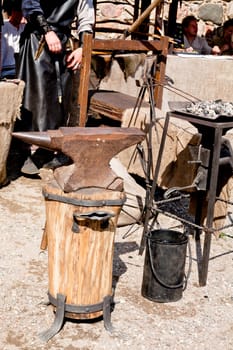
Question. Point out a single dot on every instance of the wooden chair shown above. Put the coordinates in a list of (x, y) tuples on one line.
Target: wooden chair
[(158, 47)]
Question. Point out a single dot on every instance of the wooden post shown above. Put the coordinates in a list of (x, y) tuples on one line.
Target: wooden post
[(143, 16), (84, 79), (160, 73)]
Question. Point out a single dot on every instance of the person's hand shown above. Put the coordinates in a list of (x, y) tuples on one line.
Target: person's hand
[(189, 49), (216, 50), (74, 59), (225, 47), (53, 42)]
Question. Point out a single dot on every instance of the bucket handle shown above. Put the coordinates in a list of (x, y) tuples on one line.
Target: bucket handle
[(96, 215), (186, 277)]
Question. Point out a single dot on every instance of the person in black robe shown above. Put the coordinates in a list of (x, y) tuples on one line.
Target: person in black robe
[(46, 64)]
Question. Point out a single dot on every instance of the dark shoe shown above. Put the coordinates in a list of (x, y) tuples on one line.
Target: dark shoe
[(15, 161), (36, 161), (59, 160), (29, 167), (5, 182)]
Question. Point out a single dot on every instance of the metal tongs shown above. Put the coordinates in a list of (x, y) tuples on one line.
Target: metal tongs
[(169, 85)]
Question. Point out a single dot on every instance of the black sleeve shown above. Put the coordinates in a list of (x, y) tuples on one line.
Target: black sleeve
[(39, 22)]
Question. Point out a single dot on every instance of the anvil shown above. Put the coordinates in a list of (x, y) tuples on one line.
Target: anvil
[(90, 148)]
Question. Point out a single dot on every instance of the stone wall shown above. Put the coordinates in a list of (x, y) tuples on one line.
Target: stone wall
[(117, 14), (211, 13)]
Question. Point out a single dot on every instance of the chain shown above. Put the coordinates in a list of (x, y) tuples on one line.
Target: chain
[(173, 199), (188, 223)]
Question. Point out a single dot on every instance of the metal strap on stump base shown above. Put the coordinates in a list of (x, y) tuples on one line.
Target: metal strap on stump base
[(63, 310), (58, 322)]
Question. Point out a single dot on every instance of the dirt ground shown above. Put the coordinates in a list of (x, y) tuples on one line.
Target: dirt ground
[(201, 319)]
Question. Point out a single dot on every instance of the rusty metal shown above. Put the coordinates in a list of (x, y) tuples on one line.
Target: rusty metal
[(90, 149), (198, 184), (83, 202)]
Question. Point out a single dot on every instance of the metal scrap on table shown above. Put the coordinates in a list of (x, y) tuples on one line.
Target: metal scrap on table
[(209, 109)]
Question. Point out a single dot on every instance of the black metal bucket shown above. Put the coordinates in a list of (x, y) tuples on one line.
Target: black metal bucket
[(163, 275)]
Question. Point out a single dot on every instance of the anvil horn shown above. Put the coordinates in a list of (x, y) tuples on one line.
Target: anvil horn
[(42, 139)]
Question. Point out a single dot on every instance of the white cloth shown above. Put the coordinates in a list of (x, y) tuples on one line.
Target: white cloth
[(9, 47)]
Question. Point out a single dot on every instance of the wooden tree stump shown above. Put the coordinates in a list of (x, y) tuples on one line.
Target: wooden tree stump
[(80, 229)]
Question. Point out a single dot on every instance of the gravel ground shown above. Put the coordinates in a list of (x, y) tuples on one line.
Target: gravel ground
[(201, 319)]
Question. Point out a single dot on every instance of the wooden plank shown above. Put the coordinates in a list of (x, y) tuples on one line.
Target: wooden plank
[(112, 103), (160, 73), (129, 45), (84, 78)]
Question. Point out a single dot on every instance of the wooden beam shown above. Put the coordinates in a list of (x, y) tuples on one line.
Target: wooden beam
[(143, 16), (128, 45), (84, 79), (160, 73)]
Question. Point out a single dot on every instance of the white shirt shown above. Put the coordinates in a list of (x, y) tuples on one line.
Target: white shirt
[(9, 46)]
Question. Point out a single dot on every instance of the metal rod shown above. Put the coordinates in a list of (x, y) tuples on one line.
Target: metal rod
[(148, 204), (211, 201), (171, 88)]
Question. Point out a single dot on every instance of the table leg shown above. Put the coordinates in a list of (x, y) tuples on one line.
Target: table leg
[(211, 203)]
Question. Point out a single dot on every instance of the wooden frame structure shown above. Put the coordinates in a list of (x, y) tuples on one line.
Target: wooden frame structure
[(158, 47)]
